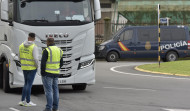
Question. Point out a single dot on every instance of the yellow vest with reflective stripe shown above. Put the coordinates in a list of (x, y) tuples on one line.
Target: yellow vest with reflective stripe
[(53, 61), (26, 57)]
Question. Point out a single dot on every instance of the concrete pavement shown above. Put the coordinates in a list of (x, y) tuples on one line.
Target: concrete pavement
[(118, 87)]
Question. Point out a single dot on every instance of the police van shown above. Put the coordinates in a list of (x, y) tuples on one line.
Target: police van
[(142, 42)]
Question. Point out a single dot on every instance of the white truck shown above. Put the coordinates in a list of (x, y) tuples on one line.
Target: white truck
[(70, 22)]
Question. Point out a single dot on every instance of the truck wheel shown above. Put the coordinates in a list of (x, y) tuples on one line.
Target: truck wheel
[(1, 75), (171, 56), (112, 56), (6, 86), (79, 87)]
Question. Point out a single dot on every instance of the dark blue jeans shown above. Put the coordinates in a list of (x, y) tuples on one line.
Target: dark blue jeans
[(29, 79), (51, 91)]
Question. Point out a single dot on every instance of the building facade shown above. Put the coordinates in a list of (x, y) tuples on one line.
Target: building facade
[(144, 12)]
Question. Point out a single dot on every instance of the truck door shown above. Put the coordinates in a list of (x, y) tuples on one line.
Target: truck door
[(126, 43), (146, 43)]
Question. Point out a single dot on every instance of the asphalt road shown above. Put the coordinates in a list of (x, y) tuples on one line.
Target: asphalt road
[(118, 88)]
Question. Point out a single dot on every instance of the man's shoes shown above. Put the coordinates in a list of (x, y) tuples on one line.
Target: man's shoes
[(55, 110), (22, 103), (30, 104)]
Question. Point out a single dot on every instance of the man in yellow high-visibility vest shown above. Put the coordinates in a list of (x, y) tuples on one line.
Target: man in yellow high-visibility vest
[(51, 63), (28, 54)]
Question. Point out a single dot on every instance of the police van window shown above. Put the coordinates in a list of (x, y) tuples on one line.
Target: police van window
[(122, 36), (178, 34), (127, 35), (147, 35), (153, 34), (165, 35), (143, 35)]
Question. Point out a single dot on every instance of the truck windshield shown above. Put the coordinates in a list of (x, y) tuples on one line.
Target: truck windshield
[(54, 12)]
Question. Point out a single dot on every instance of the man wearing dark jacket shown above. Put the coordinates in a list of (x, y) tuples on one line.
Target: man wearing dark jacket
[(51, 63)]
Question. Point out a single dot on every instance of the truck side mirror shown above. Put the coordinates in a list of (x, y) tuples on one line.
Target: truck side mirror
[(97, 10), (23, 4), (4, 10)]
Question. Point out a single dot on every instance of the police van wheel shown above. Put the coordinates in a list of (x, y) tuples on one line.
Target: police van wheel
[(6, 86), (79, 87), (171, 56), (112, 56)]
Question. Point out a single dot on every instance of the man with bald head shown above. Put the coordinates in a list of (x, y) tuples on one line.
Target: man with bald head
[(51, 63)]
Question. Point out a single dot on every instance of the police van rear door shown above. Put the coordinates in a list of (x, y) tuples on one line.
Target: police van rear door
[(174, 38)]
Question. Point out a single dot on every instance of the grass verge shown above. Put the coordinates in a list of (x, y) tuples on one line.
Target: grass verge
[(175, 68)]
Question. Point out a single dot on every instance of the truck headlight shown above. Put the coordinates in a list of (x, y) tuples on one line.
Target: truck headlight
[(101, 47), (86, 64)]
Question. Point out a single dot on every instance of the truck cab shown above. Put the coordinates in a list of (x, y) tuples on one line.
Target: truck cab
[(69, 22)]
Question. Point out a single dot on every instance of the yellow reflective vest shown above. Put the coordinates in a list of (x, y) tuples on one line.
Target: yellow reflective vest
[(53, 62), (26, 57)]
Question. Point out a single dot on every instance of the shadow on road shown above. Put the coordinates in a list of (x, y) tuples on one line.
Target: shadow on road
[(68, 89), (18, 91), (38, 90)]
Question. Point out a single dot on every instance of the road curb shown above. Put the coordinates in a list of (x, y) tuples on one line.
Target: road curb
[(142, 70)]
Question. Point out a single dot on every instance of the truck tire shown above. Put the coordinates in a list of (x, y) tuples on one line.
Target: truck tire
[(79, 87), (112, 56), (6, 86), (171, 56), (1, 75)]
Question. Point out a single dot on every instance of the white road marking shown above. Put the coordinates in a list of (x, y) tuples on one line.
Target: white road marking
[(14, 109), (133, 74), (129, 88), (176, 109)]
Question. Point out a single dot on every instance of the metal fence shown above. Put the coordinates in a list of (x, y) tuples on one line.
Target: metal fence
[(104, 30)]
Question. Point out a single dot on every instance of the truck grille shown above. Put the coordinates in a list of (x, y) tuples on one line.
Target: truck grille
[(66, 41), (67, 55), (66, 49), (65, 69), (57, 42), (66, 62)]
